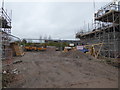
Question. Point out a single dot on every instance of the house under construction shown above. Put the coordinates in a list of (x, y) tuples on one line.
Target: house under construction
[(7, 41), (5, 30), (106, 34)]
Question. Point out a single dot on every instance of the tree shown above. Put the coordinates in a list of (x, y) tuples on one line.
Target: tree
[(24, 41)]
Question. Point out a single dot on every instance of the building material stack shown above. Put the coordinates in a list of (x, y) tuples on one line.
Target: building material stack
[(16, 49)]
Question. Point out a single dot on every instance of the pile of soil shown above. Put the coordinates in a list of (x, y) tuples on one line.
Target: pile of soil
[(75, 54)]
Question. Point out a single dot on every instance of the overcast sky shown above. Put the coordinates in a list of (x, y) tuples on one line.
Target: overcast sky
[(60, 20)]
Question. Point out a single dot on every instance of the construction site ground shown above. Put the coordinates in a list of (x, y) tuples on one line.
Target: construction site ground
[(55, 69)]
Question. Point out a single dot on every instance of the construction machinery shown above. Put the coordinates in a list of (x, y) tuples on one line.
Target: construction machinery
[(70, 47), (94, 49), (35, 47), (41, 48)]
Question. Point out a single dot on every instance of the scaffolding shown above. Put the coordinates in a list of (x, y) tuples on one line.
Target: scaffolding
[(106, 31), (5, 30)]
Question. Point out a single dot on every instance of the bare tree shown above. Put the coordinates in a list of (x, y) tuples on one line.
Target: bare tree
[(49, 38), (45, 37), (40, 38)]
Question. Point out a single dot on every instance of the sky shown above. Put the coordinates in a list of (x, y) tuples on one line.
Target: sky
[(60, 20)]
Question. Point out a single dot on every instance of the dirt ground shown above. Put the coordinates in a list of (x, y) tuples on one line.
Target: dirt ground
[(55, 69)]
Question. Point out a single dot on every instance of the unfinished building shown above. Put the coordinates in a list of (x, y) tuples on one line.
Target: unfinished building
[(106, 31), (5, 30)]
